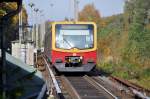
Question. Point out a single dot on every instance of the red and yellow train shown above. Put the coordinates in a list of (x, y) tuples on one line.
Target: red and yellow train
[(72, 46)]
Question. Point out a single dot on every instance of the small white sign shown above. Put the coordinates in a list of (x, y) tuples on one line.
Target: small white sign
[(74, 32)]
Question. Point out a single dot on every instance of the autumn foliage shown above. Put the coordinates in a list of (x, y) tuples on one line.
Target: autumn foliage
[(89, 13), (124, 40)]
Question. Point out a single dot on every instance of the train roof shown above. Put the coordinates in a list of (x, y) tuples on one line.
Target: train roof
[(72, 22)]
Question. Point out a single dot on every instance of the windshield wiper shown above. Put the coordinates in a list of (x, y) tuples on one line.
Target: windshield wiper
[(67, 42)]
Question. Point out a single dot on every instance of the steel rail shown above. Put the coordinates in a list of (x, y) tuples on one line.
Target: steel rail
[(137, 91), (70, 89), (139, 94), (129, 84), (56, 86), (95, 83)]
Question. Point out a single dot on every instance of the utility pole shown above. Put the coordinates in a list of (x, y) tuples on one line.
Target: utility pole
[(36, 27), (76, 10), (21, 37), (20, 29), (32, 11), (36, 33), (40, 28)]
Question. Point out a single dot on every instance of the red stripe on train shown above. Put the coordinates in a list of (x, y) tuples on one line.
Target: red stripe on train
[(86, 55)]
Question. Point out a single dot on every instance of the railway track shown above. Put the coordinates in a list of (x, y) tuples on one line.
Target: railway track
[(88, 88), (78, 87), (138, 91), (81, 87)]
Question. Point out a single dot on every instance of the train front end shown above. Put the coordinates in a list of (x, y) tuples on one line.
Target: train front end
[(74, 46)]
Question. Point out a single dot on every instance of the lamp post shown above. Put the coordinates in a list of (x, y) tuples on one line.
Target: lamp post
[(31, 5)]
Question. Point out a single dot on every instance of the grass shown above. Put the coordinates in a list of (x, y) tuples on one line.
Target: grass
[(128, 71)]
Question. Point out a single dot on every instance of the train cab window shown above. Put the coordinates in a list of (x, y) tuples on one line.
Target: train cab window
[(78, 36)]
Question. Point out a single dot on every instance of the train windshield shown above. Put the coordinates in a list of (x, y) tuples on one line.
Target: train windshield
[(70, 36)]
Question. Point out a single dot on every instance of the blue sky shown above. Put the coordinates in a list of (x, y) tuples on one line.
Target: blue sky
[(64, 8)]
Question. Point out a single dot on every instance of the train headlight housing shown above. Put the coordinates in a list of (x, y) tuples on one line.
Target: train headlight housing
[(58, 61), (73, 59), (90, 61)]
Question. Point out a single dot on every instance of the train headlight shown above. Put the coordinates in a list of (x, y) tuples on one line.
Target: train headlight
[(79, 60), (69, 60), (81, 57)]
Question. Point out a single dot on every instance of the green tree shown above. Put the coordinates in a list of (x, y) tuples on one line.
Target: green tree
[(12, 27), (137, 49)]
